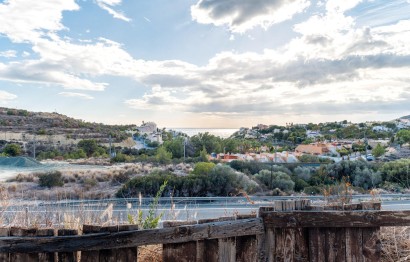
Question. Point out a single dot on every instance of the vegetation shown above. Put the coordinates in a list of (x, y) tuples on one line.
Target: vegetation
[(12, 150), (50, 179)]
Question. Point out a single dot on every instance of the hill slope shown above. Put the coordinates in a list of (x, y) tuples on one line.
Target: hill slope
[(42, 123)]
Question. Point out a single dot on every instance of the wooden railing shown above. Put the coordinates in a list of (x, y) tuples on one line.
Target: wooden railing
[(285, 231)]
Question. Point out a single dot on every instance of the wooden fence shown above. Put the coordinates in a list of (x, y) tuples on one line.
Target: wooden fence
[(285, 231)]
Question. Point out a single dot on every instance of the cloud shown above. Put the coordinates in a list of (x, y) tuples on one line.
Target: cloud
[(108, 5), (333, 66), (243, 15), (76, 95), (8, 54), (6, 96), (26, 21)]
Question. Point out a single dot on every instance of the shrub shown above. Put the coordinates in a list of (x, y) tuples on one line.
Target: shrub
[(50, 179), (313, 190), (275, 179), (12, 150)]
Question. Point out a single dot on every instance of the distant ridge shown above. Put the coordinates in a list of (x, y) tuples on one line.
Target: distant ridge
[(20, 161), (405, 117)]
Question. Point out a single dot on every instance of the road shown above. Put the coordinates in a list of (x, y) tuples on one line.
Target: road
[(171, 208)]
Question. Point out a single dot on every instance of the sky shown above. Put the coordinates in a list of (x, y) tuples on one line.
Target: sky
[(207, 63)]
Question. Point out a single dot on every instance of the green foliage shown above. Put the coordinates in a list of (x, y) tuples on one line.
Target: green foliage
[(221, 181), (121, 158), (77, 154), (403, 136), (50, 179), (378, 150), (163, 156), (248, 167), (203, 155), (12, 150), (209, 141), (203, 168), (277, 179), (397, 172), (313, 190), (175, 146), (309, 159), (88, 145)]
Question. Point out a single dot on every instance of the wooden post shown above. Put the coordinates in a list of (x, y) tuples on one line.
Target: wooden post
[(371, 236), (23, 232), (92, 255), (285, 244), (45, 257), (69, 256), (184, 252), (4, 232), (119, 254), (246, 246)]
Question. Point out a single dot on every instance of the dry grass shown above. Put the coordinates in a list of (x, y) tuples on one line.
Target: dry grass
[(151, 253), (395, 244)]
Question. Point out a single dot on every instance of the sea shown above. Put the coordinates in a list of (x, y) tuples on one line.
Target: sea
[(221, 132)]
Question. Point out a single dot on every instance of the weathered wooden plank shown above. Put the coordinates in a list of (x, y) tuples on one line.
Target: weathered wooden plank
[(246, 249), (211, 250), (354, 251), (368, 218), (316, 245), (244, 227), (227, 249), (301, 245), (119, 254), (46, 257), (4, 232), (67, 256), (23, 232), (372, 246), (183, 252), (90, 255), (335, 241)]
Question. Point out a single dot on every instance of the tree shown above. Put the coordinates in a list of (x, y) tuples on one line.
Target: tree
[(203, 155), (163, 156), (277, 179), (50, 179), (88, 145), (403, 136), (378, 150), (203, 168), (12, 150)]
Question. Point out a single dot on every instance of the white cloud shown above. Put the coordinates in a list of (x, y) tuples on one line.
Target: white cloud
[(26, 21), (243, 15), (8, 54), (76, 95), (108, 5), (6, 96)]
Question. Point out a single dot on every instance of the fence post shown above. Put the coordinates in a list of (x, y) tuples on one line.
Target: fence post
[(183, 252), (4, 232), (371, 236), (246, 246), (290, 244), (119, 254), (23, 232), (69, 256), (90, 255), (46, 257)]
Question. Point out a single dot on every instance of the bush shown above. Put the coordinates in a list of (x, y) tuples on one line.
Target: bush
[(275, 179), (50, 179), (12, 150), (313, 190), (203, 168)]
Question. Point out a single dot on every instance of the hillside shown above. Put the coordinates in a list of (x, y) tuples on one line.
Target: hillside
[(43, 123), (405, 117)]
